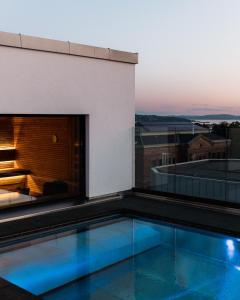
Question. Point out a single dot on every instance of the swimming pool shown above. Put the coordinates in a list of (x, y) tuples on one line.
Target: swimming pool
[(126, 258)]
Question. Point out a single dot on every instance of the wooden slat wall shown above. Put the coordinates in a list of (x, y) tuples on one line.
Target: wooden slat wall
[(6, 138), (36, 150), (13, 183), (6, 131)]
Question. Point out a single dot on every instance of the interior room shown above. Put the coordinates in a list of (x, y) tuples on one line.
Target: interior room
[(41, 156)]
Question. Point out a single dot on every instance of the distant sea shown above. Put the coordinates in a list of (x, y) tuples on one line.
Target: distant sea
[(216, 121)]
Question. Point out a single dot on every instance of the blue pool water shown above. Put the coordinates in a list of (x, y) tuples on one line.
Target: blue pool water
[(126, 259)]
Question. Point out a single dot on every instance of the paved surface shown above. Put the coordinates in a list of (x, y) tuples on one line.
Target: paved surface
[(33, 209)]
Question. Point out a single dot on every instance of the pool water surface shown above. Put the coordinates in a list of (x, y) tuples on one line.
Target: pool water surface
[(123, 259)]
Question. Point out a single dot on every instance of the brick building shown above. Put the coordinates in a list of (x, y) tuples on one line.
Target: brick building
[(160, 144)]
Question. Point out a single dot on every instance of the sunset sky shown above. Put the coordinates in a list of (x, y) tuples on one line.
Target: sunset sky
[(189, 50)]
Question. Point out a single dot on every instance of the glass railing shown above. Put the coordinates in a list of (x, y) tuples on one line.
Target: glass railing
[(189, 159)]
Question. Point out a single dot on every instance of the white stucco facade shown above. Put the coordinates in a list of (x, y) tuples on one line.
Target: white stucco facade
[(41, 82)]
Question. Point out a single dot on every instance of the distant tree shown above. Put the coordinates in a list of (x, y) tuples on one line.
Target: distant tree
[(235, 124), (205, 125), (221, 129)]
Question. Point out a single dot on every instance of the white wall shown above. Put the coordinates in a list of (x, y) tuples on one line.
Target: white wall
[(50, 83)]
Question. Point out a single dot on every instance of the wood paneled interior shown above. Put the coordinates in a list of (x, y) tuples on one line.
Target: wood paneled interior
[(6, 139), (13, 183), (7, 154), (50, 147), (6, 164), (6, 132), (45, 145)]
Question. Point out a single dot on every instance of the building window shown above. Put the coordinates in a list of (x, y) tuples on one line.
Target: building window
[(41, 156), (167, 159)]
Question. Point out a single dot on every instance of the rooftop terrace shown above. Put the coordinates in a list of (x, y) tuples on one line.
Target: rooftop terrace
[(209, 168)]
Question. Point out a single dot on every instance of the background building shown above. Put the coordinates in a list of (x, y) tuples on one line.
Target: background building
[(161, 144)]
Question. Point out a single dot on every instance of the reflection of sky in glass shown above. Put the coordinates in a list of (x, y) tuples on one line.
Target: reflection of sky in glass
[(233, 252), (230, 248), (189, 50)]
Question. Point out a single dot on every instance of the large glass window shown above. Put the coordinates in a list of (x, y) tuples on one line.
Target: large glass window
[(41, 157)]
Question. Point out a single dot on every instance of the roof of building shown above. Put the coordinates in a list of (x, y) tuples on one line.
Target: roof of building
[(169, 127), (65, 47), (148, 140), (209, 168), (186, 138)]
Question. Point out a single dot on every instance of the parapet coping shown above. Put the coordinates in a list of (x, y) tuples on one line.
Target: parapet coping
[(65, 47)]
